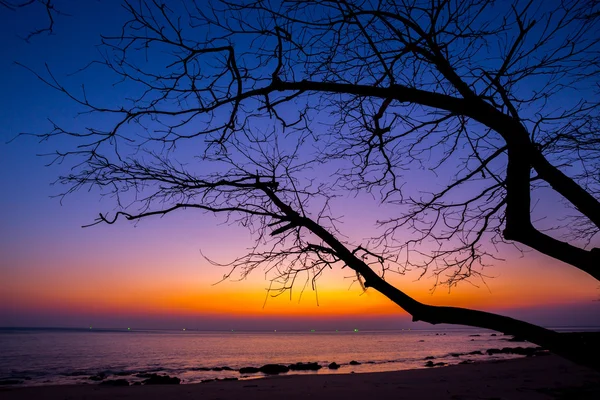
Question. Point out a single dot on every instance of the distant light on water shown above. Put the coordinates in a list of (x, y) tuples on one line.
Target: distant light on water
[(377, 350), (355, 330)]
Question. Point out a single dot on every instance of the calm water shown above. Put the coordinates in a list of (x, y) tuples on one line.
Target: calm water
[(52, 356)]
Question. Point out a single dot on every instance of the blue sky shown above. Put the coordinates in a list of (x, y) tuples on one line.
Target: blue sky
[(56, 273)]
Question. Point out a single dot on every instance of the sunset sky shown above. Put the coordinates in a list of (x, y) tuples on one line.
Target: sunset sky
[(152, 274)]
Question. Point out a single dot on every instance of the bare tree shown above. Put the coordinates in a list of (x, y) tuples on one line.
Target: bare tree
[(48, 6), (499, 99)]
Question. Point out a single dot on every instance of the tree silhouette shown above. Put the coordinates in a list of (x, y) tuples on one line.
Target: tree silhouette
[(48, 6), (287, 104)]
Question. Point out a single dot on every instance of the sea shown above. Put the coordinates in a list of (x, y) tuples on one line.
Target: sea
[(50, 356)]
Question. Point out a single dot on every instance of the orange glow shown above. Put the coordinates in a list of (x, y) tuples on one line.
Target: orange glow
[(192, 292)]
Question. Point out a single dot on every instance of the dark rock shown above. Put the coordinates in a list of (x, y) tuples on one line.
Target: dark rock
[(432, 364), (229, 379), (10, 382), (515, 339), (98, 377), (207, 380), (429, 358), (136, 384), (115, 382), (420, 341), (334, 365), (305, 366), (228, 369), (156, 379), (476, 335), (273, 369), (249, 370), (455, 354), (523, 351), (475, 353), (122, 373), (353, 362), (466, 362), (518, 350), (200, 369), (527, 351), (216, 369), (493, 334)]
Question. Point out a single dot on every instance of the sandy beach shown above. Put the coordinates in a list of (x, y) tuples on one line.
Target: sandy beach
[(545, 377)]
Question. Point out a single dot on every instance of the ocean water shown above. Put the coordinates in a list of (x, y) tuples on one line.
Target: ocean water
[(71, 356)]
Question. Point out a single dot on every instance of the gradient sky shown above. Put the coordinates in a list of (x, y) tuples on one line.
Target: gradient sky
[(151, 274)]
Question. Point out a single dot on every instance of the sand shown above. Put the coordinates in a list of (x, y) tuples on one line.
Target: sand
[(545, 377)]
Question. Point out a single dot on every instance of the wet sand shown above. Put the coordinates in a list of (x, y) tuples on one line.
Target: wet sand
[(544, 377)]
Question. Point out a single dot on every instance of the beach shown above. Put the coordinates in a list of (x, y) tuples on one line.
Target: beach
[(541, 377), (33, 357)]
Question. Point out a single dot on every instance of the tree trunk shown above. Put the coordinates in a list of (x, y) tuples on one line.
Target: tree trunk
[(583, 352)]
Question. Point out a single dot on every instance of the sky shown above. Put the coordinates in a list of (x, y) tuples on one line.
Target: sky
[(152, 274)]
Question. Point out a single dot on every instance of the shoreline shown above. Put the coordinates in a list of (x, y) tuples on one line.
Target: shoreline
[(156, 375), (114, 359), (542, 377)]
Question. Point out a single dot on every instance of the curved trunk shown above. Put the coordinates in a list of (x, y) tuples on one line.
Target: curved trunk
[(575, 347), (579, 351)]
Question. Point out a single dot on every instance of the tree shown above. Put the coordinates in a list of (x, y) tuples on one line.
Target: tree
[(499, 99), (47, 6)]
